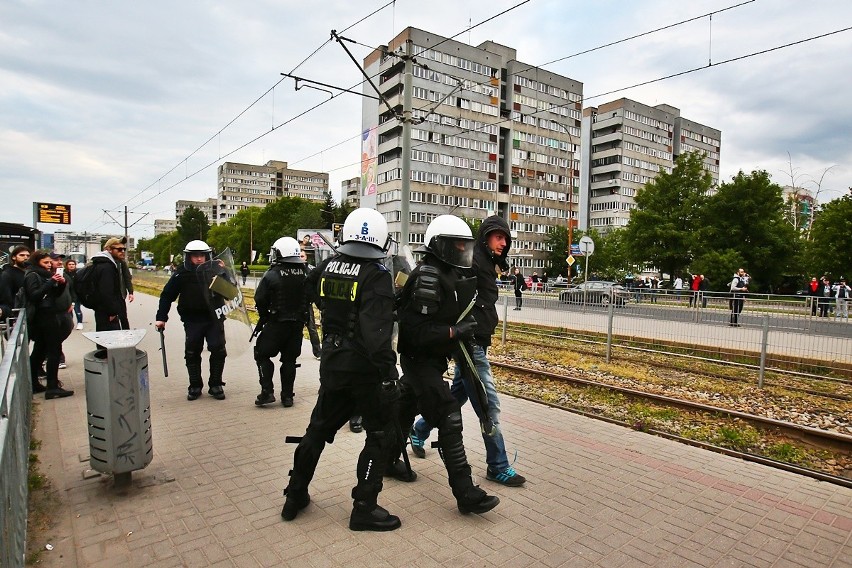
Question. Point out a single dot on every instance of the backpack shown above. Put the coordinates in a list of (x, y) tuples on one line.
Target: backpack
[(85, 287)]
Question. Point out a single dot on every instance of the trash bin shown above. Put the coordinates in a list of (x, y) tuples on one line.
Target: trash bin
[(118, 402)]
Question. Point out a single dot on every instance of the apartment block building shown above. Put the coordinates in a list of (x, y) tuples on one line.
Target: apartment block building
[(489, 134), (350, 191), (164, 226), (209, 207), (241, 186), (625, 144)]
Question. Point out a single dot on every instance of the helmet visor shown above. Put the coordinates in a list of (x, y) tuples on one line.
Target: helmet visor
[(454, 250)]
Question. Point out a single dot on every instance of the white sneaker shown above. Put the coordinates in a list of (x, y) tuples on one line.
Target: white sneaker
[(79, 326), (63, 366)]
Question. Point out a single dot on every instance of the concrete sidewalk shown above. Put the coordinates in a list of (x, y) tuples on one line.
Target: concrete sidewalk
[(597, 494)]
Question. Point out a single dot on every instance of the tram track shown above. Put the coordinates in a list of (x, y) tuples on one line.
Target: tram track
[(651, 361), (838, 444)]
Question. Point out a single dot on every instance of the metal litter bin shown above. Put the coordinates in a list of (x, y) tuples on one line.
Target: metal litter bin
[(118, 403)]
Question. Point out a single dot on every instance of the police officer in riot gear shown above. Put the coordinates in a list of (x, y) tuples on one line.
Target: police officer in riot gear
[(433, 317), (357, 368), (189, 285), (282, 307)]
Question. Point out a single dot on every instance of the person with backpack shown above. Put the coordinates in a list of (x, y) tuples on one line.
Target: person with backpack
[(47, 295), (103, 286)]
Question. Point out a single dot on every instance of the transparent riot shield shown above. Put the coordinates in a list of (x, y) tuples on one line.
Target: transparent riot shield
[(224, 296)]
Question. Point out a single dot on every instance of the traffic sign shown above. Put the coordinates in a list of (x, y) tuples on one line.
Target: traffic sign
[(570, 260), (587, 245), (575, 250), (53, 213)]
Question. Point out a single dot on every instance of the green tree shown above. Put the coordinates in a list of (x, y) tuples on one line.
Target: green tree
[(747, 217), (193, 224), (829, 250), (611, 260), (661, 230), (557, 245)]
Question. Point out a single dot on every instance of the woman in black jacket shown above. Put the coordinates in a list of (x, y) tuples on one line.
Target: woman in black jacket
[(70, 273), (47, 294)]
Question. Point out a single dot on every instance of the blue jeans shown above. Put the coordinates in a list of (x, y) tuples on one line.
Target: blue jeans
[(495, 447), (78, 311)]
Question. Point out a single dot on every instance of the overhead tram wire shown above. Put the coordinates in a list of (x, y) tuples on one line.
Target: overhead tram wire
[(648, 82), (673, 75), (262, 135), (485, 83), (241, 113)]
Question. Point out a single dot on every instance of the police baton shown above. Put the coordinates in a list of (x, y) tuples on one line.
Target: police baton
[(466, 363), (163, 350), (402, 439)]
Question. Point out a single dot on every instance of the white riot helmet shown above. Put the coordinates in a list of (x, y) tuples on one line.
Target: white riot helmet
[(364, 234), (196, 247), (286, 249), (449, 238)]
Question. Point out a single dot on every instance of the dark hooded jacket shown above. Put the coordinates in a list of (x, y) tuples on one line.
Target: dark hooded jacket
[(484, 268)]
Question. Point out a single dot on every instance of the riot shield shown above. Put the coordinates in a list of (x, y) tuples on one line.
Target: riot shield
[(224, 296), (400, 262)]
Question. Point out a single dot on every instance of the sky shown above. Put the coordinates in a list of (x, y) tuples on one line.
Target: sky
[(113, 105)]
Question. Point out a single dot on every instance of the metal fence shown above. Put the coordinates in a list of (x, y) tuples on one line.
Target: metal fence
[(772, 332), (15, 408)]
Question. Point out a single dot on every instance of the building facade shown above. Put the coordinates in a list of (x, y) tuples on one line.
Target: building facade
[(88, 244), (209, 207), (625, 144), (489, 135), (350, 191), (241, 186), (164, 226)]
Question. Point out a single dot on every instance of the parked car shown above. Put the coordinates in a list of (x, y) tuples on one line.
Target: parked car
[(596, 292)]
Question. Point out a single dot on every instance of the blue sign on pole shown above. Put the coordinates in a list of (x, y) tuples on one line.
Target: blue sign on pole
[(575, 250)]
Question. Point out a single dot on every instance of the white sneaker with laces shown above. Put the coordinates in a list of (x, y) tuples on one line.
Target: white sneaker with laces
[(63, 366), (79, 326)]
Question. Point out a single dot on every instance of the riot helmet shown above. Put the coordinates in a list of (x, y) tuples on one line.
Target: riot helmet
[(364, 234), (285, 249), (196, 247), (449, 238)]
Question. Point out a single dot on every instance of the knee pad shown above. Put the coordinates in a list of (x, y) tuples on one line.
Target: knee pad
[(451, 423)]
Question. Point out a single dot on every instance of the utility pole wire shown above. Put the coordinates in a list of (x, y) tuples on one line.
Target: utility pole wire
[(584, 52), (219, 132)]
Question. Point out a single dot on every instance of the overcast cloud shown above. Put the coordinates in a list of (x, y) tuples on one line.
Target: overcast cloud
[(112, 104)]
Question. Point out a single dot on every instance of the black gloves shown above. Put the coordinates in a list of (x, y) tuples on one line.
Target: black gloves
[(465, 328), (389, 393)]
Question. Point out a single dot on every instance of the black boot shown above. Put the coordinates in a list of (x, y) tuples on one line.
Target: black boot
[(469, 497), (217, 367), (288, 379), (265, 397), (193, 369), (265, 369), (400, 472), (294, 503), (368, 517), (356, 424), (475, 500), (55, 390)]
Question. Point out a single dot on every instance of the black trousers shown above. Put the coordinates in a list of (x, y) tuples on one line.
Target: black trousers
[(333, 409), (48, 332), (283, 337)]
